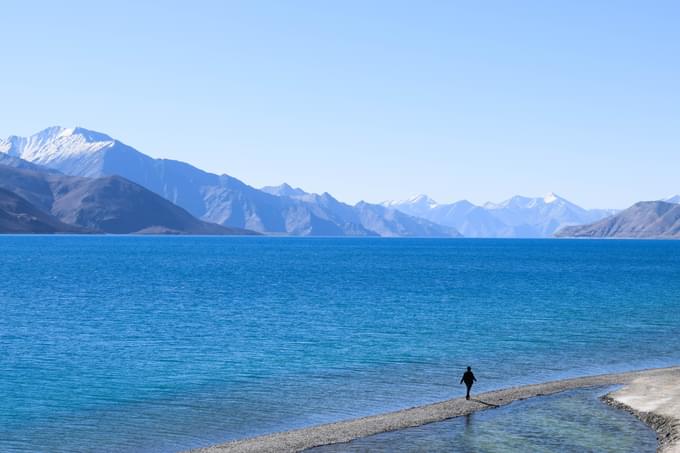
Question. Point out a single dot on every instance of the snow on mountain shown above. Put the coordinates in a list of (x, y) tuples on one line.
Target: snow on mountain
[(542, 217), (215, 198), (55, 144), (423, 200), (550, 198), (371, 219), (515, 217), (520, 202), (673, 199), (285, 209), (516, 202), (468, 219), (417, 205), (283, 190)]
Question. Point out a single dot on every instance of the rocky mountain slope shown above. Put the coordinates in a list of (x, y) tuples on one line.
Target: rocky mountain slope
[(108, 205), (18, 216), (646, 219)]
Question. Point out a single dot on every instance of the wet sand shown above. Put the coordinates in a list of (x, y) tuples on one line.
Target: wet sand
[(345, 431)]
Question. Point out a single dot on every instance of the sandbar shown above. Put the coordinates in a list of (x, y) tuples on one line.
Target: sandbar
[(345, 431)]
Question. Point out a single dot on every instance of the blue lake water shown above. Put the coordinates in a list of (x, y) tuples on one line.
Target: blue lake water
[(168, 343)]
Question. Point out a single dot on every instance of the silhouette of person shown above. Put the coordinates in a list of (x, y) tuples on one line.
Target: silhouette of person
[(469, 379)]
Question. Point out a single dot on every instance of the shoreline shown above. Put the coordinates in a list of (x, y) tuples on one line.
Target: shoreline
[(348, 430), (655, 400)]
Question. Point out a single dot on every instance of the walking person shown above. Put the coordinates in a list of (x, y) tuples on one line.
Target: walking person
[(468, 378)]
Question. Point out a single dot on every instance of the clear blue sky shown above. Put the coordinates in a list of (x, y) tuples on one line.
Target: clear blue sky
[(368, 99)]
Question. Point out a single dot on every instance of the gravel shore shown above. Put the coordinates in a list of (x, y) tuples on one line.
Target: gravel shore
[(656, 401), (345, 431)]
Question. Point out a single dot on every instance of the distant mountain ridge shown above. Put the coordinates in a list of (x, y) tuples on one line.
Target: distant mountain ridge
[(283, 209), (220, 199), (516, 217), (646, 219), (374, 219)]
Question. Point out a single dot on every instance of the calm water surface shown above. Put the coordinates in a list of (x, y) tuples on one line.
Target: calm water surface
[(167, 343), (571, 422)]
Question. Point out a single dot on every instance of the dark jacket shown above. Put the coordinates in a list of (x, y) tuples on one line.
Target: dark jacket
[(468, 378)]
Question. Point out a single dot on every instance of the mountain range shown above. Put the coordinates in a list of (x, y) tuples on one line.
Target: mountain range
[(516, 217), (186, 195), (220, 199)]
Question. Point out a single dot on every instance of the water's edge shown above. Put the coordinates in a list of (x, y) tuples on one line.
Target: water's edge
[(346, 431), (667, 429)]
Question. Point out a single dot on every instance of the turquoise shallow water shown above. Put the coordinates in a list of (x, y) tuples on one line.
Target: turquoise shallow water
[(571, 422), (165, 343)]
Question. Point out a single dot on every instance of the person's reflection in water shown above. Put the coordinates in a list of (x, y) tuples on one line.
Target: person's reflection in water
[(465, 442)]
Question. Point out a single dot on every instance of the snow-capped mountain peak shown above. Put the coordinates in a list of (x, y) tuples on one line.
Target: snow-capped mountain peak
[(517, 201), (520, 202), (66, 132), (417, 205), (550, 198), (422, 200), (56, 143), (284, 190)]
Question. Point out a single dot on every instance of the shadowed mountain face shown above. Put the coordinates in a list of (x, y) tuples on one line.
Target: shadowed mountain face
[(220, 199), (111, 205), (19, 216), (646, 219)]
